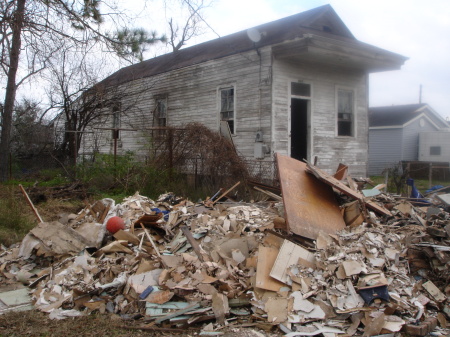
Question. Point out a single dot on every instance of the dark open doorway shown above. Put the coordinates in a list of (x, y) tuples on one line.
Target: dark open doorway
[(299, 128)]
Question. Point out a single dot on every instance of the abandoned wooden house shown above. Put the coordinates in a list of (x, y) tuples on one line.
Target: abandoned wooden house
[(297, 86)]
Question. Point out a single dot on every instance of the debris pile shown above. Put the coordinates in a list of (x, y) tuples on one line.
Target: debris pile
[(307, 265)]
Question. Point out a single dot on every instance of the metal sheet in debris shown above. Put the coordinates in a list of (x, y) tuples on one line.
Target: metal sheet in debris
[(309, 204)]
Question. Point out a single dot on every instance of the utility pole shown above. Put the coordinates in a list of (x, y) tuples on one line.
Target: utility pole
[(420, 94)]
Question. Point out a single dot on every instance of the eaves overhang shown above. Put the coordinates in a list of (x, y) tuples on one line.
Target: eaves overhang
[(345, 54)]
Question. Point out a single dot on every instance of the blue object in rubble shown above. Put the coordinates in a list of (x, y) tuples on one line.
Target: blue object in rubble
[(434, 188), (414, 191), (166, 213), (146, 292)]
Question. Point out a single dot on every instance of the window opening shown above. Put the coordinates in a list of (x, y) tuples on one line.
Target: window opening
[(345, 112), (227, 107), (435, 150), (161, 112), (116, 120)]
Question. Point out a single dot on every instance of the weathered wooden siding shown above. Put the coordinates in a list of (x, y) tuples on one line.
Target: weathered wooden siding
[(262, 102), (324, 80), (385, 149), (192, 96)]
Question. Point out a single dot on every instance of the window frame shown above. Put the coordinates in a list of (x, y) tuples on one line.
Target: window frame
[(156, 112), (116, 112), (435, 147), (220, 89), (352, 119)]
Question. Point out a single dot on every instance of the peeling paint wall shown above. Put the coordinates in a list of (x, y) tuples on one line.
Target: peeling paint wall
[(326, 145)]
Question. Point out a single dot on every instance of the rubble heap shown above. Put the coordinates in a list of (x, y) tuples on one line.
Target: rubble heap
[(177, 264)]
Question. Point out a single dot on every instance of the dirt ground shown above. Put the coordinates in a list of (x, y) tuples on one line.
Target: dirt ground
[(35, 323)]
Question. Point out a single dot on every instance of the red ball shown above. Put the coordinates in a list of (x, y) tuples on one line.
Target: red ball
[(114, 224)]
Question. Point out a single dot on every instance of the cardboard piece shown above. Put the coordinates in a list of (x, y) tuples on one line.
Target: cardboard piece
[(59, 239), (159, 297), (434, 291), (266, 259), (140, 282), (276, 308), (220, 307), (128, 236), (352, 268)]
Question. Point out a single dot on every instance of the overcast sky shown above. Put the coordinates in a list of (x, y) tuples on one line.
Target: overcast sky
[(416, 29)]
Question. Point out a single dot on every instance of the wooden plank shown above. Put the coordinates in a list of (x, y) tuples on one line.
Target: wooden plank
[(266, 259), (310, 204), (226, 192), (193, 242), (270, 194), (35, 211), (341, 172), (326, 178)]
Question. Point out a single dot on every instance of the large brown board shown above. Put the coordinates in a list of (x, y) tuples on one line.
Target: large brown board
[(310, 205)]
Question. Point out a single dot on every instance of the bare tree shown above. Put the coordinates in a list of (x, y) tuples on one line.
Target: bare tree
[(81, 101), (192, 25), (34, 27), (31, 137)]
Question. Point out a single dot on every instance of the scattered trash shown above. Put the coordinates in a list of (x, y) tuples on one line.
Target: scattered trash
[(326, 259)]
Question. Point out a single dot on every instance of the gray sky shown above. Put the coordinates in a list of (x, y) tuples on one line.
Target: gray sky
[(416, 29)]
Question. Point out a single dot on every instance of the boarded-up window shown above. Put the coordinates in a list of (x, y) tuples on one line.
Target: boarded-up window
[(227, 107), (300, 89), (435, 150), (161, 112), (345, 115)]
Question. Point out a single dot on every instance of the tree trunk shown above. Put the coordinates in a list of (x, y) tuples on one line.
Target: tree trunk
[(11, 88)]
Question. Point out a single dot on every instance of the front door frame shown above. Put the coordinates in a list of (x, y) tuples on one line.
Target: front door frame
[(308, 117)]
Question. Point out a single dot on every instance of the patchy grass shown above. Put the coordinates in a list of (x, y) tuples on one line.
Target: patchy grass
[(35, 323), (51, 209), (15, 218), (421, 184)]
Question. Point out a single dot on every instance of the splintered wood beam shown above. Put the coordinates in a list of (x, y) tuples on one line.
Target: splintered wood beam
[(35, 211), (192, 241), (151, 240), (226, 192), (270, 194)]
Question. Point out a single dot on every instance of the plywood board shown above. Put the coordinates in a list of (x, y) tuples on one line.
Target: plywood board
[(266, 259), (330, 180), (290, 254), (310, 205)]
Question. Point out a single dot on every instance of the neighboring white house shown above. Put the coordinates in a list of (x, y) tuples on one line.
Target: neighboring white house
[(395, 131), (434, 146), (298, 86)]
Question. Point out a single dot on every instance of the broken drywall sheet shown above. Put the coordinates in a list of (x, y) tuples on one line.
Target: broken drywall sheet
[(140, 282), (15, 300), (289, 255)]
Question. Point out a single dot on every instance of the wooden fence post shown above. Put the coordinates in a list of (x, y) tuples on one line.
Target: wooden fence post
[(430, 174)]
